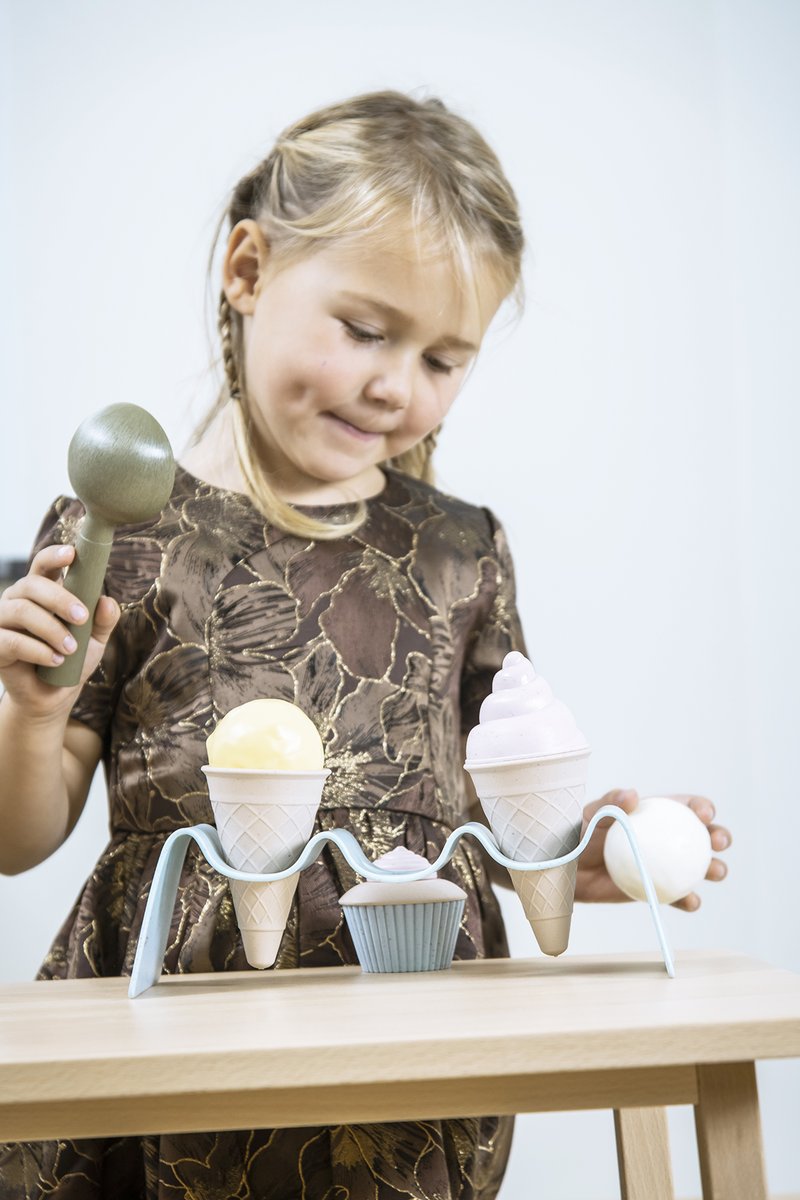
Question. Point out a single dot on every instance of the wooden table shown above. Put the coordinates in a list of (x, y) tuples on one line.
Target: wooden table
[(308, 1047)]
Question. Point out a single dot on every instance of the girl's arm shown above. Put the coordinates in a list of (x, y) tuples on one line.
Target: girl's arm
[(46, 760), (45, 773)]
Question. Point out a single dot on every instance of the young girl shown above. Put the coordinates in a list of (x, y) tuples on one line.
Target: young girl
[(304, 554)]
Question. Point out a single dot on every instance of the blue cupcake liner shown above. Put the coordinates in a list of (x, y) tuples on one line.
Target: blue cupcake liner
[(405, 937)]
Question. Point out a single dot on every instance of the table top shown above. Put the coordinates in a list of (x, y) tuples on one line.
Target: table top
[(85, 1038)]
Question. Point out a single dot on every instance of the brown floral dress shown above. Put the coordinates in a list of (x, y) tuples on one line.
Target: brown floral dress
[(388, 639)]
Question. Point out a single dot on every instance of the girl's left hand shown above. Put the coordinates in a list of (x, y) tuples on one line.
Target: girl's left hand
[(594, 882)]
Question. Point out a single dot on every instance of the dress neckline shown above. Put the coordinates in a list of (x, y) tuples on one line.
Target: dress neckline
[(313, 510)]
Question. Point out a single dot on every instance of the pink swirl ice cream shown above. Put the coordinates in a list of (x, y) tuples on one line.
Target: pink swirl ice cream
[(522, 719), (528, 760)]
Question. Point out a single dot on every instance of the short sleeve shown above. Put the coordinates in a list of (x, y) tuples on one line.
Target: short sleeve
[(98, 697), (500, 632)]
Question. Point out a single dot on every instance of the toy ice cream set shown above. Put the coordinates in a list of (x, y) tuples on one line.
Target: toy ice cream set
[(527, 759)]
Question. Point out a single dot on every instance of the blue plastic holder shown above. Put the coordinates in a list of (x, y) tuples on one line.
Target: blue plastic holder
[(152, 943)]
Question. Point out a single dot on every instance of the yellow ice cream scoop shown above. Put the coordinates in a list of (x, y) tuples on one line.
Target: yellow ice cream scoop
[(266, 735)]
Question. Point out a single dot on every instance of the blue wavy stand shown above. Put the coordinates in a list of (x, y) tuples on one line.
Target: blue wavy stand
[(164, 889)]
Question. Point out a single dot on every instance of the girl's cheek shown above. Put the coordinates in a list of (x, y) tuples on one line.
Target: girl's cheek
[(335, 375)]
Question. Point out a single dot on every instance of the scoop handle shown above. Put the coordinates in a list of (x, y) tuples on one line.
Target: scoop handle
[(85, 580)]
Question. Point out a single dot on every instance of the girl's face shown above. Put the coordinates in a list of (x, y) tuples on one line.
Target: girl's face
[(349, 360)]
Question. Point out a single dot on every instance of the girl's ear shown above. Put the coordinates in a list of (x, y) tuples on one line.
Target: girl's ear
[(244, 266)]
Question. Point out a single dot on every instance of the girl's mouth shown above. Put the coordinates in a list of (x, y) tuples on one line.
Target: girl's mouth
[(361, 435)]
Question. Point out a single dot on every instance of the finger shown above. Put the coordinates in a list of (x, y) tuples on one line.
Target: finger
[(49, 595), (700, 805), (52, 560), (717, 870), (689, 903), (22, 616), (720, 837), (16, 647)]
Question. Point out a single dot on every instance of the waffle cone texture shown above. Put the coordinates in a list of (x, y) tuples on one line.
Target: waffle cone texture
[(264, 819), (535, 811)]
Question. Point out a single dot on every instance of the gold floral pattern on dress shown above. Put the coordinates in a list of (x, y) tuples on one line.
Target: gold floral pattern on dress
[(388, 639)]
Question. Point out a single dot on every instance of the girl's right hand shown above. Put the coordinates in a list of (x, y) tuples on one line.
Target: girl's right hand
[(32, 632)]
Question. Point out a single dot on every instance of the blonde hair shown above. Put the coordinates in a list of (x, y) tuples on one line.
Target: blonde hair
[(363, 169)]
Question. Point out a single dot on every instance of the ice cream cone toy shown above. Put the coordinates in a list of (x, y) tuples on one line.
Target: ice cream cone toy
[(265, 779), (528, 761), (264, 820), (157, 918)]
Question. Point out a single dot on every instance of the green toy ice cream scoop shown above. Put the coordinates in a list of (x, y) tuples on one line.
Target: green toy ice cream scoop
[(122, 469)]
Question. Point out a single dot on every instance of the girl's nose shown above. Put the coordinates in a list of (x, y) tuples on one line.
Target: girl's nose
[(392, 387)]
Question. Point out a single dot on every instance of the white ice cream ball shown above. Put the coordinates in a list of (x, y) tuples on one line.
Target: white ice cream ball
[(672, 840)]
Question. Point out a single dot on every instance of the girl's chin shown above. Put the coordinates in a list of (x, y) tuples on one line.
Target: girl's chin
[(331, 486)]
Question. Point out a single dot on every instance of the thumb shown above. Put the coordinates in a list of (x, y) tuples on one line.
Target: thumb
[(106, 616), (624, 798)]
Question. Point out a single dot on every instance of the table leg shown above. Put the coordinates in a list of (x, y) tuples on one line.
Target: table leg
[(645, 1171), (729, 1132)]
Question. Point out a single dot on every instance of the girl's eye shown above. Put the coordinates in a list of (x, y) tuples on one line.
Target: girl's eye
[(361, 335), (442, 368)]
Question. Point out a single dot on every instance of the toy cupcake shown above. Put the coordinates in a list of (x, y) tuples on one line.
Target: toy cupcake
[(402, 925)]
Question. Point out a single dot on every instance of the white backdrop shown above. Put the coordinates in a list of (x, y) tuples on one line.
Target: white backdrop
[(636, 432)]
